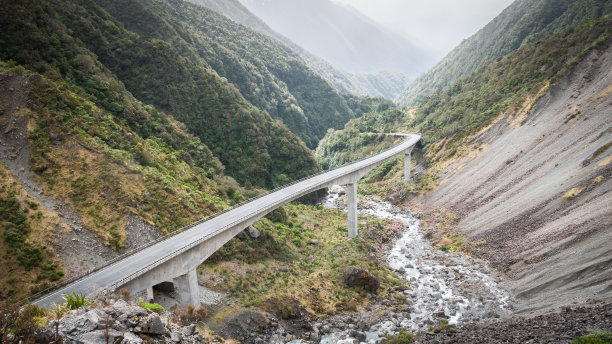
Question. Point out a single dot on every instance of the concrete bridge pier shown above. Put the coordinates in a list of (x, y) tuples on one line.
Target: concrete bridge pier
[(407, 165), (186, 288), (351, 192), (150, 294)]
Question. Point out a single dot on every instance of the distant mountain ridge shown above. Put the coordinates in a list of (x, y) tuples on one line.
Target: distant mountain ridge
[(523, 22), (381, 83), (340, 35)]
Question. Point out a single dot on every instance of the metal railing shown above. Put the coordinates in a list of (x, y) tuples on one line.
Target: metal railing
[(157, 262)]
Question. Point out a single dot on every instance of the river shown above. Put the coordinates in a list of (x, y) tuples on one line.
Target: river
[(442, 285)]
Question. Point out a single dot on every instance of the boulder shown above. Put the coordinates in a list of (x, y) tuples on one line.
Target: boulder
[(121, 308), (130, 338), (97, 319), (253, 232), (176, 336), (337, 189), (151, 325), (189, 330), (99, 337), (357, 277)]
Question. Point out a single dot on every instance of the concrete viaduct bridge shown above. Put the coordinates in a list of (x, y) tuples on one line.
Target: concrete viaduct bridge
[(175, 258)]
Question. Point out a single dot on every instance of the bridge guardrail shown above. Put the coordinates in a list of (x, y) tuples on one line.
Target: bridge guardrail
[(181, 230)]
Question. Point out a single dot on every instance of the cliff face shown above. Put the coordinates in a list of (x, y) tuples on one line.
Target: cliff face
[(537, 190)]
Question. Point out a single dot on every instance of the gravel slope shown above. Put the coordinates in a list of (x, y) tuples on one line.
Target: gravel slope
[(554, 251), (560, 326)]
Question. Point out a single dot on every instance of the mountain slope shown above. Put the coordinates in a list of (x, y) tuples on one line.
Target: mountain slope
[(518, 154), (92, 182), (340, 35), (252, 146), (383, 83), (523, 22), (266, 75), (538, 194)]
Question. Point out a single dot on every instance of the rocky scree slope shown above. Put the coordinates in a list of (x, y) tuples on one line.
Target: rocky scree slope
[(519, 151), (538, 191)]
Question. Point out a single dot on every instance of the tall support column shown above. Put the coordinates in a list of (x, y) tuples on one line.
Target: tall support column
[(187, 289), (150, 294), (407, 166), (351, 191)]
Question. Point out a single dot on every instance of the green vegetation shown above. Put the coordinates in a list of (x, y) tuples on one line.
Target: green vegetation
[(506, 89), (154, 307), (27, 264), (264, 72), (594, 338), (79, 44), (402, 338), (74, 301), (360, 137), (108, 170), (15, 231), (443, 326), (300, 258), (522, 23), (511, 85), (20, 322)]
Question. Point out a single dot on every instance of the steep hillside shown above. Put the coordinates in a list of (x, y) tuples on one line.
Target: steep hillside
[(264, 73), (523, 22), (537, 194), (518, 154), (66, 39), (382, 83), (75, 168), (340, 35)]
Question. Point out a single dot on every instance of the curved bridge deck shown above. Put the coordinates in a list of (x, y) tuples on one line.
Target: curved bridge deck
[(175, 258)]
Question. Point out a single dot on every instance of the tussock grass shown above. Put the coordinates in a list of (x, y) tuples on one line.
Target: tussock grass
[(302, 258)]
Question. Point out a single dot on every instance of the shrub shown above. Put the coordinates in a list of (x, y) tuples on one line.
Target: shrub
[(402, 338), (594, 338), (154, 307), (75, 301), (124, 294), (189, 315), (18, 321)]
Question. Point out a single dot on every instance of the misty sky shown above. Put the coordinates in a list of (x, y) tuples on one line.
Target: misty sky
[(436, 25)]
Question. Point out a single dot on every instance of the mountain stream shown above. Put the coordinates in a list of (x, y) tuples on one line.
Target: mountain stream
[(442, 285)]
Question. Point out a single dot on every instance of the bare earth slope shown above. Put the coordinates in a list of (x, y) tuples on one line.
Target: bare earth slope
[(515, 193)]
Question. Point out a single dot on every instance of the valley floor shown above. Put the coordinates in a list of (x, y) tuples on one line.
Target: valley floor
[(558, 326)]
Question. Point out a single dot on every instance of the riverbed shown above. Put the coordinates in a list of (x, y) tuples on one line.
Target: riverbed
[(443, 286)]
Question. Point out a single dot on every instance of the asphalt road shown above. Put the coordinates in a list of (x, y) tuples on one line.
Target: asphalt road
[(145, 259)]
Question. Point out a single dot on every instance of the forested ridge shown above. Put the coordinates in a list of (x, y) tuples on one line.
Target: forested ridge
[(522, 23), (447, 120), (264, 72), (171, 75)]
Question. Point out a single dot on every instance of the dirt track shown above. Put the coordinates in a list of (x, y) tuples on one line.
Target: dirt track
[(555, 250)]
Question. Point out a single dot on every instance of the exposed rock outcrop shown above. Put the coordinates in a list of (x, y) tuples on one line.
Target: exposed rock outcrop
[(356, 277), (119, 323)]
